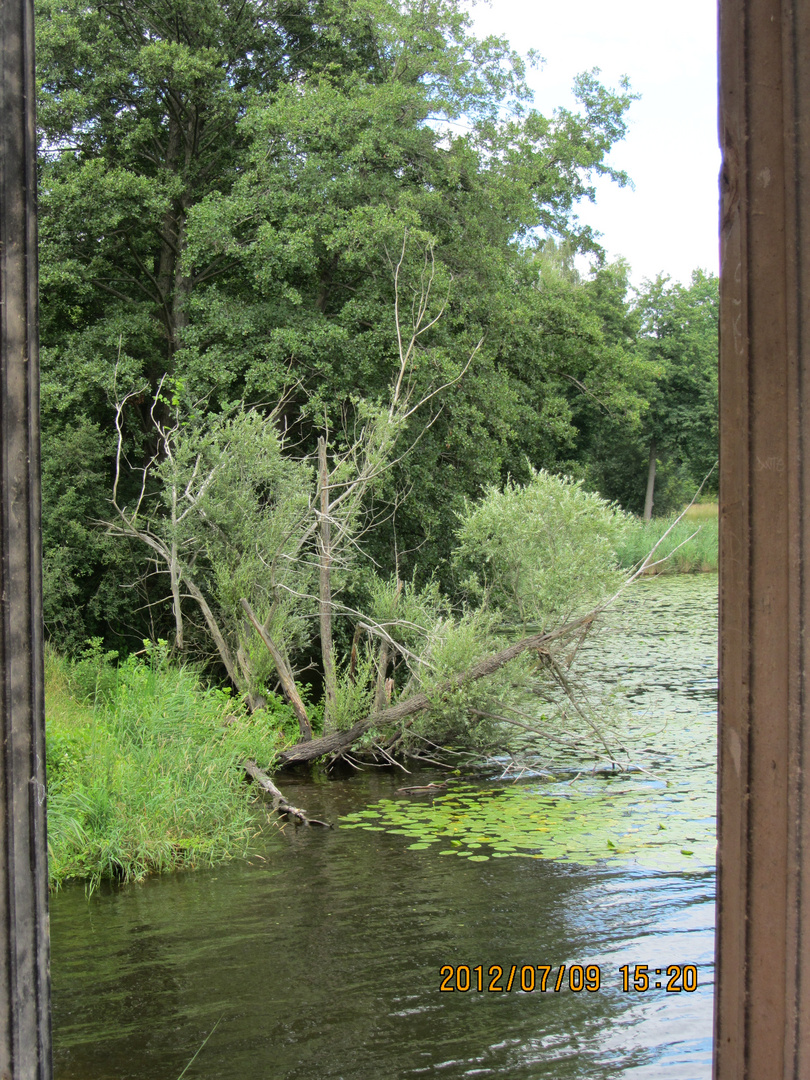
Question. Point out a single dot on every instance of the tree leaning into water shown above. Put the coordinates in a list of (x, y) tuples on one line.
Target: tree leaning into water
[(238, 528)]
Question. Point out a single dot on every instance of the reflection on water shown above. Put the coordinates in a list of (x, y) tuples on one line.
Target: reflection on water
[(321, 958)]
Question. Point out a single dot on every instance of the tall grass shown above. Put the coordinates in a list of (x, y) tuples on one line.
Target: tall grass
[(706, 511), (682, 554), (143, 767)]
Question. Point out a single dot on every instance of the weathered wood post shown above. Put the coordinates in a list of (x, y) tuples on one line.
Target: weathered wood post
[(762, 1003), (25, 1038)]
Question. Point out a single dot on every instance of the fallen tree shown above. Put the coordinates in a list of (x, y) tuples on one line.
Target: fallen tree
[(338, 742), (244, 531)]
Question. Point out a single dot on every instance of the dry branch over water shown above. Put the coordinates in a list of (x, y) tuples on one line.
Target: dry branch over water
[(337, 742), (280, 803)]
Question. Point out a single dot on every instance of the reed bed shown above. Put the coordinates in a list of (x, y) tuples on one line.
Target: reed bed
[(691, 547)]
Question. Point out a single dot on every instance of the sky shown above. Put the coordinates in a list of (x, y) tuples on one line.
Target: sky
[(668, 223)]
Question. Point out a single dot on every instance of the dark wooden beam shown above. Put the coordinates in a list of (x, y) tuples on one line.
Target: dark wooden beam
[(25, 1035), (762, 1001)]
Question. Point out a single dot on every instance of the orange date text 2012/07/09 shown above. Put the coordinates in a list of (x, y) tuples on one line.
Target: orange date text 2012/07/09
[(499, 979)]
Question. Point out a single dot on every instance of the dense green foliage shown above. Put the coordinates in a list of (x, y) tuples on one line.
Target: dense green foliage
[(312, 329), (677, 341), (143, 767), (228, 193), (317, 365), (541, 552), (144, 763)]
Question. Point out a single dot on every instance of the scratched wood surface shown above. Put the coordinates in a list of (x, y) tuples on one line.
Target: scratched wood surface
[(763, 967), (25, 1045)]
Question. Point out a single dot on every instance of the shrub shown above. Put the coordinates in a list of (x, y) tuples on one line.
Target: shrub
[(541, 552)]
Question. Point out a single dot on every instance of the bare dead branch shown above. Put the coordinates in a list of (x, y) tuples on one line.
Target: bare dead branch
[(280, 804)]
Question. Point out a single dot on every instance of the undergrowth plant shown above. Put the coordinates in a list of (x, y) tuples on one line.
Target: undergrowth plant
[(144, 772)]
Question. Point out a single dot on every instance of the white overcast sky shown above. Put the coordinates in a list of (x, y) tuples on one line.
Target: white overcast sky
[(669, 222)]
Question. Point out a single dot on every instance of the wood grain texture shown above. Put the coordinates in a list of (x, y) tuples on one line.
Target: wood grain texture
[(762, 969), (25, 1039)]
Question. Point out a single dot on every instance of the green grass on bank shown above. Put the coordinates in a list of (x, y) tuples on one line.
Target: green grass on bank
[(706, 511), (143, 767), (683, 555)]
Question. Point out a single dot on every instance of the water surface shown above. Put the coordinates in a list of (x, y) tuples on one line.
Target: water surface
[(321, 956)]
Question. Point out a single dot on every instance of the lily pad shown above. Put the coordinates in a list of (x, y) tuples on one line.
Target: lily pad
[(558, 820)]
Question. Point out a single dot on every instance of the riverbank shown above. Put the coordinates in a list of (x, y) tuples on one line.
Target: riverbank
[(143, 767), (353, 925), (691, 547), (144, 761)]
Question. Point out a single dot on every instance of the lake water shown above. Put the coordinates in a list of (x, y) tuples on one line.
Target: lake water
[(321, 957)]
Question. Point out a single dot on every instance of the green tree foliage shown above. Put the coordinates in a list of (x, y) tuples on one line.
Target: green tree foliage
[(343, 169), (225, 515), (592, 333), (541, 552), (680, 332), (252, 196), (84, 571), (677, 341), (238, 528)]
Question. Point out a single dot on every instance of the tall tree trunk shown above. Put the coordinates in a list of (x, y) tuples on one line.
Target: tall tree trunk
[(648, 502), (382, 691), (325, 588)]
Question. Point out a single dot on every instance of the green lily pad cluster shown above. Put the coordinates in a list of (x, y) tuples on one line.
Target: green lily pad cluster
[(633, 820)]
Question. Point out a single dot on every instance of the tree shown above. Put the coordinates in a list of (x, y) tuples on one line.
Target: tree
[(539, 553), (670, 439), (220, 509), (225, 189), (534, 554), (342, 168), (680, 326), (236, 524), (238, 528), (137, 111)]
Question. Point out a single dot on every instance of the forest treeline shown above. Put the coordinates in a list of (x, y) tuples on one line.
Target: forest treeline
[(276, 210)]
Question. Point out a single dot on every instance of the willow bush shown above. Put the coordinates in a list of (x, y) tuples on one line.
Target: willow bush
[(540, 552)]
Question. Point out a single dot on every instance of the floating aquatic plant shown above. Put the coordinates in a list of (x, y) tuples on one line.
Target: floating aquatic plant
[(580, 823)]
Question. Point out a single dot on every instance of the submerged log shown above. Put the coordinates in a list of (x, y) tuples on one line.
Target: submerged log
[(338, 742), (280, 803)]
